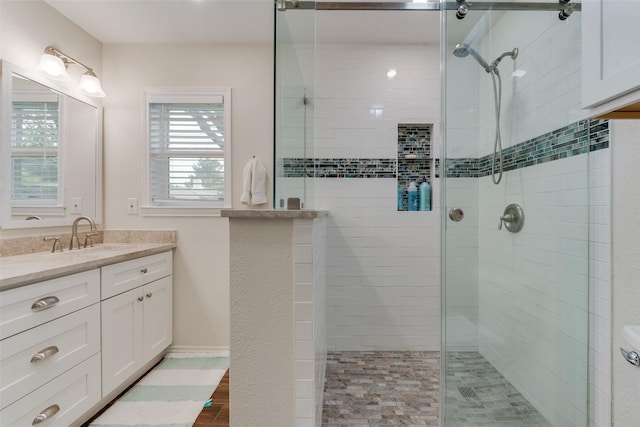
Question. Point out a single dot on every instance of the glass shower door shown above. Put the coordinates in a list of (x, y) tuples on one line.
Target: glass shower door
[(516, 225)]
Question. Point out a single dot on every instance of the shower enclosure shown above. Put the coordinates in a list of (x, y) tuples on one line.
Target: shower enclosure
[(372, 96)]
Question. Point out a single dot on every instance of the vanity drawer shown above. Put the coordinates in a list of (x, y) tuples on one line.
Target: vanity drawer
[(30, 359), (124, 276), (63, 400), (32, 305)]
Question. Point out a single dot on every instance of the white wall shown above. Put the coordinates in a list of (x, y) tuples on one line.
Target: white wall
[(548, 97), (383, 266), (625, 157), (30, 26), (600, 294), (533, 294), (201, 266)]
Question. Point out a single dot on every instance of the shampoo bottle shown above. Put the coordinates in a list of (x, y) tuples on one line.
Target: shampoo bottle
[(400, 195), (412, 197), (425, 196)]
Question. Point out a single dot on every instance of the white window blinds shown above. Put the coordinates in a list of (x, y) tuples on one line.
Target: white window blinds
[(35, 152), (187, 147)]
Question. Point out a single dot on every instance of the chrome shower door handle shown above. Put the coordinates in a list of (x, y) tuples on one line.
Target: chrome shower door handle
[(631, 356)]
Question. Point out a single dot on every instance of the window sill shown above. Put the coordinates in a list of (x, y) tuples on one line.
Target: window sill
[(186, 211)]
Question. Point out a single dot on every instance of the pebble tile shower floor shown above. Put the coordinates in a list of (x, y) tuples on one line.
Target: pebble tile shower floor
[(401, 388)]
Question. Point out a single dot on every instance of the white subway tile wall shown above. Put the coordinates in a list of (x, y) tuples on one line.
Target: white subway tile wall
[(383, 276), (533, 290), (309, 239), (600, 298)]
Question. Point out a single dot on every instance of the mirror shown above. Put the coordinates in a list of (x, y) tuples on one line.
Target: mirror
[(51, 153)]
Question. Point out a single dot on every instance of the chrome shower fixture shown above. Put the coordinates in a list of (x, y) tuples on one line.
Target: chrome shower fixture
[(567, 9), (462, 50), (462, 10)]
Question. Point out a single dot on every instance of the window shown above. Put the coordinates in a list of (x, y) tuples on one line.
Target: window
[(35, 151), (188, 137)]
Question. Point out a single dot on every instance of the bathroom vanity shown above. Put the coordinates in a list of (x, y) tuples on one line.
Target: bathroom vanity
[(78, 327)]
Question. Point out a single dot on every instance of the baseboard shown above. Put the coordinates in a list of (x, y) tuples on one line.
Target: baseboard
[(184, 350)]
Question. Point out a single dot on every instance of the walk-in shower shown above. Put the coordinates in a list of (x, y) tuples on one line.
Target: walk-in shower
[(463, 50), (467, 324)]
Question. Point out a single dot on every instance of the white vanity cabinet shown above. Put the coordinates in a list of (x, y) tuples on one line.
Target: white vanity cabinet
[(137, 321), (50, 350), (610, 54), (70, 344)]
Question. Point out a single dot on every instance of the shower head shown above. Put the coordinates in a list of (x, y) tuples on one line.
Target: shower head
[(462, 50)]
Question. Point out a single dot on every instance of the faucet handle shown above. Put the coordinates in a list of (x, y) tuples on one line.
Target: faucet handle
[(57, 246), (88, 242)]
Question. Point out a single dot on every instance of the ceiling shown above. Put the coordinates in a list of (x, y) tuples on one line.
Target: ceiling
[(238, 21), (171, 21)]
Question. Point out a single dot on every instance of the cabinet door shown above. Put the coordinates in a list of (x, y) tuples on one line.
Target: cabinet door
[(158, 317), (122, 339), (610, 53)]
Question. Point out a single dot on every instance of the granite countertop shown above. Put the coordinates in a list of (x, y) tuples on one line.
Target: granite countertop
[(272, 213), (20, 270)]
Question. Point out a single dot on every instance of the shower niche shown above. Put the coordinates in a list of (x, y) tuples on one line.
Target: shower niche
[(414, 166)]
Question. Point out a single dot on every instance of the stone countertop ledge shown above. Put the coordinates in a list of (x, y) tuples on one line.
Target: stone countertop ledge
[(272, 213), (25, 269)]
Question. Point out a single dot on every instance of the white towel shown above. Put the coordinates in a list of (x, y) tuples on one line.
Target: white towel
[(258, 183), (246, 182), (254, 181)]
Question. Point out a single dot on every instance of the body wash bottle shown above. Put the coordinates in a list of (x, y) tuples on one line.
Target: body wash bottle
[(412, 197), (425, 196), (400, 195)]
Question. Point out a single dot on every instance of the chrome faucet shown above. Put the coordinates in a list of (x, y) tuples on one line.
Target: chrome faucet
[(75, 242)]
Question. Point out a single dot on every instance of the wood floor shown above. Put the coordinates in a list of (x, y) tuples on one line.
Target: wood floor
[(216, 415)]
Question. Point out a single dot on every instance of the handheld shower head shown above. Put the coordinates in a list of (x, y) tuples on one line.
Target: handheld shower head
[(462, 50), (513, 54)]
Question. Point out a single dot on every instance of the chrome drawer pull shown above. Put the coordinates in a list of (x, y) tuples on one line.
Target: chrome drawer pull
[(144, 270), (43, 354), (44, 303), (46, 414)]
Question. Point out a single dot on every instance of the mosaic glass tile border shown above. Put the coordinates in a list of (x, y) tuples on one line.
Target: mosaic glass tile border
[(577, 138), (339, 168)]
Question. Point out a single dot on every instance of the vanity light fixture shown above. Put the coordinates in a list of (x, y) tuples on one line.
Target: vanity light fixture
[(54, 63)]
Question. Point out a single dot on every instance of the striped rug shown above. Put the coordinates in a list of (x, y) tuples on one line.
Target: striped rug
[(170, 395)]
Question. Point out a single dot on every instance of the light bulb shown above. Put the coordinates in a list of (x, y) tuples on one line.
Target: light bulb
[(90, 85), (53, 67)]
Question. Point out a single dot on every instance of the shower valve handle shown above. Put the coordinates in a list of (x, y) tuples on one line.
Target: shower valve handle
[(512, 217), (505, 218)]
